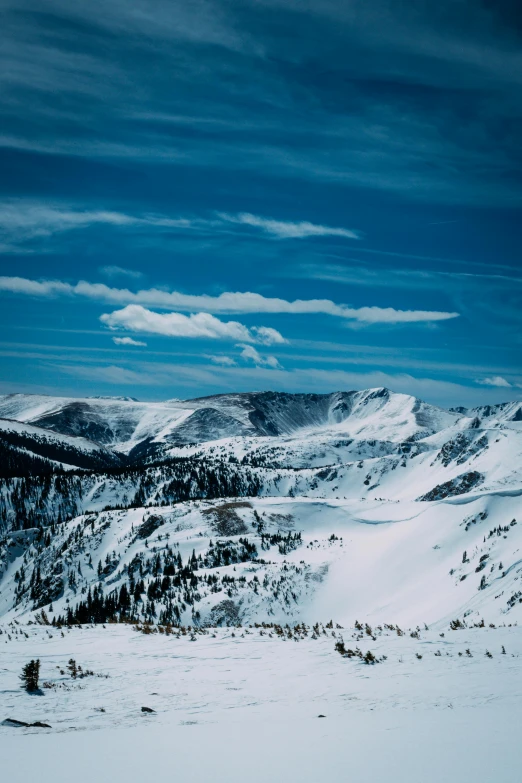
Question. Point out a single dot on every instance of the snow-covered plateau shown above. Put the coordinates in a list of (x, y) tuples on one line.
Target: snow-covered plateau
[(243, 564)]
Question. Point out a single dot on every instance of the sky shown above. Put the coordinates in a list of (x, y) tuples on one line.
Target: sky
[(243, 195)]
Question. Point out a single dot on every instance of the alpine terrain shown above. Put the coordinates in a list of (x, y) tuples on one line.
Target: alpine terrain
[(260, 507), (190, 539)]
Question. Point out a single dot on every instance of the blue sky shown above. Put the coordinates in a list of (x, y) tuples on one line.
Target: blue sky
[(226, 196)]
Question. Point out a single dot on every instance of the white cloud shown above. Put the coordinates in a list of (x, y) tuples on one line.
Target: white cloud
[(119, 271), (251, 354), (223, 361), (389, 315), (128, 341), (22, 285), (496, 380), (21, 220), (267, 336), (283, 229), (136, 318), (228, 302)]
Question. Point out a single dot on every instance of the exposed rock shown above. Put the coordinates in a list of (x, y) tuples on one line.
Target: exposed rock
[(22, 724), (457, 486), (149, 526)]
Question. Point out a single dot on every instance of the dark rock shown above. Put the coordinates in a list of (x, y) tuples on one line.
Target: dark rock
[(147, 709), (149, 526), (457, 486)]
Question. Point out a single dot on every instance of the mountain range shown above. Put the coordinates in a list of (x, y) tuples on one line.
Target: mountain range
[(258, 506)]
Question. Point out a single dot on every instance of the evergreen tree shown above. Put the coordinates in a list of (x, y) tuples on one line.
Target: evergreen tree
[(30, 676)]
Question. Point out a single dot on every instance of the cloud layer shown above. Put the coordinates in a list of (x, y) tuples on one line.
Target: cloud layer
[(417, 98), (228, 302)]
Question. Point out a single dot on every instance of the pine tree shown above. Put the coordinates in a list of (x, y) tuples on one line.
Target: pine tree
[(30, 676)]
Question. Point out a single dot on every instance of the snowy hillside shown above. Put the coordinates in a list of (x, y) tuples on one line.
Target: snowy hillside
[(45, 450), (263, 506)]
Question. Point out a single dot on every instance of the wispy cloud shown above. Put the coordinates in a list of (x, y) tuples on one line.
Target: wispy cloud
[(23, 220), (359, 273), (284, 229), (223, 361), (496, 380), (46, 288), (252, 354), (384, 109), (228, 302), (120, 271), (128, 341), (136, 318)]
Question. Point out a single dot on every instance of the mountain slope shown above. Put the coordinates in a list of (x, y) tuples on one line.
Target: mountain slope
[(261, 506), (53, 449)]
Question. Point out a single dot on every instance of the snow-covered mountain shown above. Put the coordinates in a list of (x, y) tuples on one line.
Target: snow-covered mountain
[(261, 506), (123, 423)]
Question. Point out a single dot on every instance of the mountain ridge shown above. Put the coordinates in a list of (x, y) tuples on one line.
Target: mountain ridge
[(121, 424), (363, 501)]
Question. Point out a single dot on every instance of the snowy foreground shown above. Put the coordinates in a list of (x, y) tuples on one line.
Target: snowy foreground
[(244, 704)]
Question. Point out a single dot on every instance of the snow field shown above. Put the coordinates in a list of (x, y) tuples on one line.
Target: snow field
[(236, 704)]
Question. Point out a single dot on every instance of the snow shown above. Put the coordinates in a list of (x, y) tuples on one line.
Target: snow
[(246, 706), (471, 746), (142, 420), (390, 562), (348, 472)]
